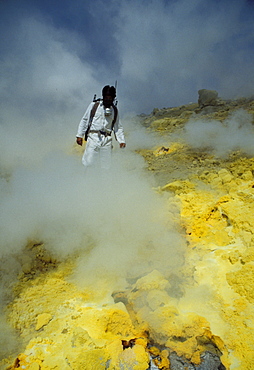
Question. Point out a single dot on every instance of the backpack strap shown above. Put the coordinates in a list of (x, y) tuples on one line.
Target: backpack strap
[(115, 116), (92, 114)]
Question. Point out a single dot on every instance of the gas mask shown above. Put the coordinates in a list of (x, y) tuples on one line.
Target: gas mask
[(108, 112)]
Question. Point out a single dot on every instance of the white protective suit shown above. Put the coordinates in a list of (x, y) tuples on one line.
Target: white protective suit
[(99, 145)]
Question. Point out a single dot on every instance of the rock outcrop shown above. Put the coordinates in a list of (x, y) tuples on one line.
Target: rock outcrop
[(207, 98)]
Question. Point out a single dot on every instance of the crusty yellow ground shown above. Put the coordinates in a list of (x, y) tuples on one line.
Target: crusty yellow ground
[(219, 226), (63, 327)]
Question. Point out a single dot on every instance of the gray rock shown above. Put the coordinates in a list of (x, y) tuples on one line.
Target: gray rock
[(179, 363), (209, 361), (207, 98)]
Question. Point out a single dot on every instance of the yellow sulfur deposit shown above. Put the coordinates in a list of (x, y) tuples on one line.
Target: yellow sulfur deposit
[(161, 318)]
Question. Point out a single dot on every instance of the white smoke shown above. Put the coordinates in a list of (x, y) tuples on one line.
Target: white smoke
[(235, 133), (55, 201), (114, 221)]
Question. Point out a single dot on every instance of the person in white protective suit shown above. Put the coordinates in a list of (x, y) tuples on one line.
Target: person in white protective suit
[(99, 122)]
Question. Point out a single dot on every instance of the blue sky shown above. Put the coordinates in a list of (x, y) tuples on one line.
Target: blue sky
[(56, 54)]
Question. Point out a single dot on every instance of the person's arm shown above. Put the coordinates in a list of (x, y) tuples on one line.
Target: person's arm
[(82, 127), (118, 129)]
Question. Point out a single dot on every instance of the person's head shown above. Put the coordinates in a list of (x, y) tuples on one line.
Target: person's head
[(108, 95)]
